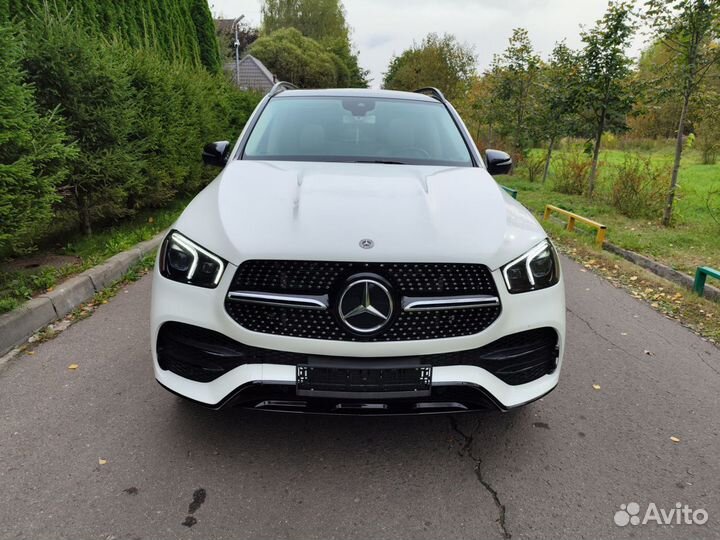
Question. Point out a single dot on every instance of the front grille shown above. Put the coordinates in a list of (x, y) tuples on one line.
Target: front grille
[(319, 277), (324, 277)]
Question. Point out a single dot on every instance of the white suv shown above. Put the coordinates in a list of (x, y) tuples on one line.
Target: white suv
[(355, 255)]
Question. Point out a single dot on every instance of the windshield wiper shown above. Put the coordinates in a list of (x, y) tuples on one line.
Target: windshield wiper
[(383, 161)]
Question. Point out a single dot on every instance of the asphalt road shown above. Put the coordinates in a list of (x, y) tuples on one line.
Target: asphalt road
[(559, 468)]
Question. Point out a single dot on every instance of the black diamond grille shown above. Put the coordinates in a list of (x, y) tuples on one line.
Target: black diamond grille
[(321, 277)]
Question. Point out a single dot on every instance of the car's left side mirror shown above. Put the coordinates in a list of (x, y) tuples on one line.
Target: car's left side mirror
[(216, 153), (498, 162)]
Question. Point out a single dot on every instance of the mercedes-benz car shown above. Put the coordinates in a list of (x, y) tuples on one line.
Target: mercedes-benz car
[(355, 255)]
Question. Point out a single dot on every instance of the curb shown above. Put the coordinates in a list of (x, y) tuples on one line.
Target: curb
[(21, 323), (711, 293)]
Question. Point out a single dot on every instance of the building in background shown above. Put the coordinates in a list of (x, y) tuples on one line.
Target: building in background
[(253, 75)]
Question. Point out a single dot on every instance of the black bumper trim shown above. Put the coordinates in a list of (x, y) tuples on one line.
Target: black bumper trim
[(203, 355), (281, 396)]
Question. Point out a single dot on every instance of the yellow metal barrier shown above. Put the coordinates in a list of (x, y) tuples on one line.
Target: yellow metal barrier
[(572, 218)]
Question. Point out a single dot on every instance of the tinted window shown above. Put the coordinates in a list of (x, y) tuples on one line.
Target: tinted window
[(357, 129)]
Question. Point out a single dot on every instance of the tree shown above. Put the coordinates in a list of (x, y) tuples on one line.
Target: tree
[(605, 69), (323, 21), (33, 153), (180, 29), (89, 82), (708, 127), (656, 109), (689, 29), (477, 109), (316, 19), (557, 96), (208, 46), (437, 61), (298, 59), (514, 75)]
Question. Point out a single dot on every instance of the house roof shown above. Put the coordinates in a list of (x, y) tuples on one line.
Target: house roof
[(265, 71)]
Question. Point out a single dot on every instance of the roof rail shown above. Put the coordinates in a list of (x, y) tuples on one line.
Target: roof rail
[(280, 86), (431, 91)]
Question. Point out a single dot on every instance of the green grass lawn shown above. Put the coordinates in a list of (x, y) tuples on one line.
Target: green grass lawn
[(694, 238), (18, 283)]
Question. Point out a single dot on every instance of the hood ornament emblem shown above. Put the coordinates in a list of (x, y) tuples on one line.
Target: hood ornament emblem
[(366, 243)]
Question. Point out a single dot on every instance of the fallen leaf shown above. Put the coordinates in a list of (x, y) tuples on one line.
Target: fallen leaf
[(633, 278), (73, 366), (674, 439), (596, 386), (30, 353), (151, 219), (623, 333), (102, 461)]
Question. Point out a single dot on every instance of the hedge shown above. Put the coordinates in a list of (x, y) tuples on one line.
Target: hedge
[(93, 130)]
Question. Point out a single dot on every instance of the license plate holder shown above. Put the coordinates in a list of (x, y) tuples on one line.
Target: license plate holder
[(363, 380)]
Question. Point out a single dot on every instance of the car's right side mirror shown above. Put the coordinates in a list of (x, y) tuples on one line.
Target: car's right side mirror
[(498, 162), (216, 153)]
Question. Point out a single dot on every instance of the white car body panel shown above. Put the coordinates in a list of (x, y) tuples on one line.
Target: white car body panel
[(321, 211)]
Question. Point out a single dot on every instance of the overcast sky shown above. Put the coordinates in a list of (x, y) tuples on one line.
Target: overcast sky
[(382, 28)]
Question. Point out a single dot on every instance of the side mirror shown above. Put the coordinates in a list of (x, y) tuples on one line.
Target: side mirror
[(498, 162), (216, 153)]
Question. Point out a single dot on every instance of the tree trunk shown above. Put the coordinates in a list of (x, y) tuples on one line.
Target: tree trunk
[(547, 159), (596, 154), (667, 215), (84, 213)]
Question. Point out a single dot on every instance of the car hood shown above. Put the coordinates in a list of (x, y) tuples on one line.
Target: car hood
[(321, 211)]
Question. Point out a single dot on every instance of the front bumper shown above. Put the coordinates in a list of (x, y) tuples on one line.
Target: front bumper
[(269, 381)]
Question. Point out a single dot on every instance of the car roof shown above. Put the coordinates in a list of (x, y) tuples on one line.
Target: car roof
[(356, 92)]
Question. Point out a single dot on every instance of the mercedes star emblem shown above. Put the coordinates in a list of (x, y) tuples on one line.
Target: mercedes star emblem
[(365, 306), (366, 243)]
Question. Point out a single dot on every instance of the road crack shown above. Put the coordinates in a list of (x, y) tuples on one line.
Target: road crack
[(618, 347), (598, 334), (705, 361), (466, 450)]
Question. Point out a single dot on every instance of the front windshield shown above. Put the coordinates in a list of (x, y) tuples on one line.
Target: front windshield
[(357, 129)]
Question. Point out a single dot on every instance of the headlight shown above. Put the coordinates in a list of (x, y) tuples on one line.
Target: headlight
[(183, 260), (537, 269)]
